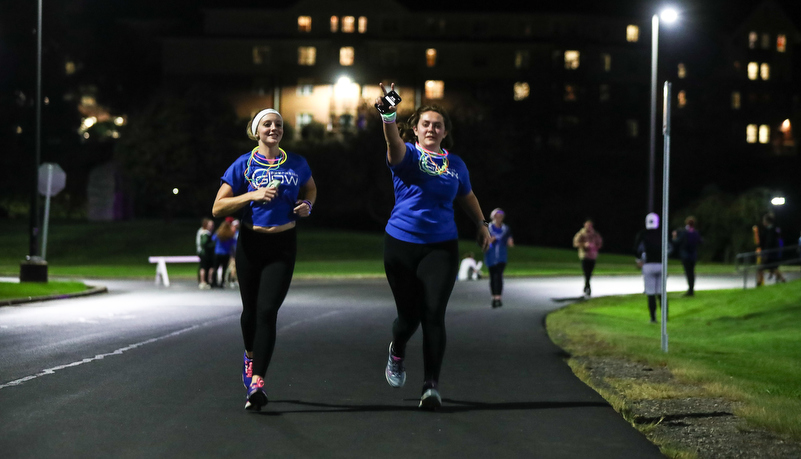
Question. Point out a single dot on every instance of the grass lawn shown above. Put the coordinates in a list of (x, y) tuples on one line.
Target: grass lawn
[(121, 249), (9, 290), (740, 344)]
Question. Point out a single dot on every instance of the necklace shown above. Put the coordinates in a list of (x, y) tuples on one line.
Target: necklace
[(270, 164), (427, 163)]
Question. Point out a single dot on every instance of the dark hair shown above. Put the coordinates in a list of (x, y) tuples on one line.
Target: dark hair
[(690, 221), (407, 132)]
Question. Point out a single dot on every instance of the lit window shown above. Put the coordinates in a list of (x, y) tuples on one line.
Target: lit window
[(604, 93), (69, 68), (781, 43), (303, 119), (362, 24), (735, 100), (522, 90), (334, 24), (682, 99), (764, 133), (572, 60), (765, 41), (305, 88), (346, 55), (261, 55), (682, 71), (435, 89), (606, 59), (431, 57), (348, 24), (522, 59), (632, 128), (570, 93), (752, 39), (764, 71), (307, 55), (632, 33), (753, 70), (751, 133), (304, 23)]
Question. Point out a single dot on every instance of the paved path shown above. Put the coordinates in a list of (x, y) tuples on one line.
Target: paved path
[(154, 372)]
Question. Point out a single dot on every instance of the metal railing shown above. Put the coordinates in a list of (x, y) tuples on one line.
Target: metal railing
[(766, 260)]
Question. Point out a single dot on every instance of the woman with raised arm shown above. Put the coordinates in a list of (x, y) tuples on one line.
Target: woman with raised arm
[(421, 251), (270, 189)]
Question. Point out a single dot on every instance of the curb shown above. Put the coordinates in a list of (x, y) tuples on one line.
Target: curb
[(31, 299)]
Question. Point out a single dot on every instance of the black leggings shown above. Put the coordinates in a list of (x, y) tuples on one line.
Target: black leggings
[(587, 265), (689, 271), (421, 277), (264, 266), (496, 278), (219, 261)]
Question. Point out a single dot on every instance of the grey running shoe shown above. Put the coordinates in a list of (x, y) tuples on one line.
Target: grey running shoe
[(396, 375), (430, 400)]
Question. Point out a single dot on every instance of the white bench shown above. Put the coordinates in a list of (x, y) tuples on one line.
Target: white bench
[(161, 265)]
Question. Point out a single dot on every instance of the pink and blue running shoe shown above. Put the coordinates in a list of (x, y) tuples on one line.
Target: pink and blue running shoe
[(257, 396), (247, 371)]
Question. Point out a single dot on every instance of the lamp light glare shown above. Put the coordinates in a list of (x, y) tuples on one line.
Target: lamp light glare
[(669, 15), (777, 201), (175, 191)]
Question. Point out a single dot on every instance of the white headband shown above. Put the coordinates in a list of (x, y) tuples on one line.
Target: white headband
[(260, 115)]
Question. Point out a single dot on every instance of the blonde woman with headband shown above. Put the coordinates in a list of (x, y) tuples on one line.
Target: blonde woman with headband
[(496, 256), (269, 189)]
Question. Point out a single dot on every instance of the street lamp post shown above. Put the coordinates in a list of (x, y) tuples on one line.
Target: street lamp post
[(669, 16)]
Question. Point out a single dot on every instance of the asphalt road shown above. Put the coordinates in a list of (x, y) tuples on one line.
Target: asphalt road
[(147, 372)]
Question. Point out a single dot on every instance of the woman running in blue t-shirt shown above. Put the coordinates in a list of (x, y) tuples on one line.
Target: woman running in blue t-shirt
[(421, 252), (271, 189)]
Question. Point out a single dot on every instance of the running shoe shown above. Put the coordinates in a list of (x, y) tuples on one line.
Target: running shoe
[(257, 396), (396, 375), (430, 399), (247, 370)]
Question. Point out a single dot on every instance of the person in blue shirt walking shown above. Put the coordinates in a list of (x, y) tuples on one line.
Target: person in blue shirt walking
[(421, 251), (270, 189), (223, 247), (688, 240), (495, 258)]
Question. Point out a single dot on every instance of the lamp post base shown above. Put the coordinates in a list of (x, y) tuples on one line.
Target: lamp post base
[(34, 269)]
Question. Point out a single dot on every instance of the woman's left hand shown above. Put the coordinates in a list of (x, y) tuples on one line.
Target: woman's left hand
[(483, 238), (302, 209)]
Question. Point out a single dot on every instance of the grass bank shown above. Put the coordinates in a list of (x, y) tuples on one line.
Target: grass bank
[(739, 344), (121, 249), (9, 290)]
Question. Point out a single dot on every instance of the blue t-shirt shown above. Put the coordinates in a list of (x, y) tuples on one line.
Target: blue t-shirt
[(423, 212), (223, 247), (293, 174), (497, 250)]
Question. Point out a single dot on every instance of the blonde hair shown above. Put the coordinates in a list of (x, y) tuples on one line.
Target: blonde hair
[(253, 123)]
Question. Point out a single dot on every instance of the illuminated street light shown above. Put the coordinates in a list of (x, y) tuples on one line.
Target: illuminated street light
[(778, 201), (175, 191), (668, 15)]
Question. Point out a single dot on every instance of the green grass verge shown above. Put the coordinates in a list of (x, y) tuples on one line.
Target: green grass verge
[(741, 344), (9, 290), (120, 250)]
